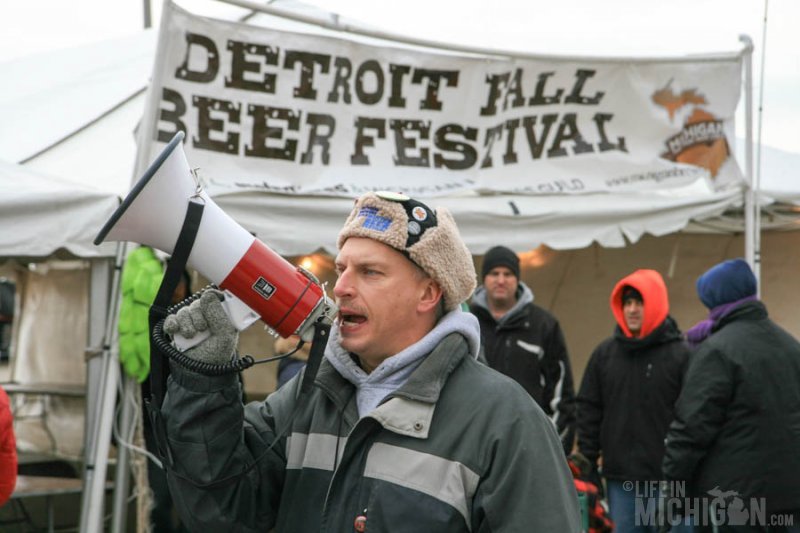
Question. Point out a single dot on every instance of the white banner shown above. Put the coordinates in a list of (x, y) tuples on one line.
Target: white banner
[(298, 114)]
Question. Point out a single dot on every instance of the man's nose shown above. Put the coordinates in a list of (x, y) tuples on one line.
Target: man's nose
[(343, 287)]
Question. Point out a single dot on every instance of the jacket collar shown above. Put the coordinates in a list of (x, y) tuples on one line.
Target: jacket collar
[(747, 311), (667, 331), (409, 410), (340, 391), (524, 297)]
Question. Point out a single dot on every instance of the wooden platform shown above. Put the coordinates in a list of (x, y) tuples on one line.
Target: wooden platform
[(50, 389), (31, 486)]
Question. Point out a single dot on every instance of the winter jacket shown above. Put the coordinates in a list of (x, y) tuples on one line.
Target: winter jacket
[(527, 344), (630, 386), (737, 425), (626, 401), (8, 450), (457, 448)]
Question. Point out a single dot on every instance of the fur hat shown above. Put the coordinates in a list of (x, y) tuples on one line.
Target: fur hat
[(429, 239), (500, 256), (726, 282)]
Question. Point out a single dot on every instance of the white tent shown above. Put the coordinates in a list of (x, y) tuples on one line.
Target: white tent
[(78, 118), (44, 215), (49, 224), (779, 170), (61, 322), (94, 144), (102, 87), (296, 225)]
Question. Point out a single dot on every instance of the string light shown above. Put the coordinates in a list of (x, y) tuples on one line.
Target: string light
[(308, 263), (537, 257)]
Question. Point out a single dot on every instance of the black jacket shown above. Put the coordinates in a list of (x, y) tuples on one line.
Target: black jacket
[(626, 401), (528, 346), (737, 424)]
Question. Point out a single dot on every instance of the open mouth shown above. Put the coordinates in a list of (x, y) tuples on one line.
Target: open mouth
[(351, 320)]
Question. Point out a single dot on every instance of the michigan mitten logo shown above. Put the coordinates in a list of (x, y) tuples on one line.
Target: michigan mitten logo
[(701, 141)]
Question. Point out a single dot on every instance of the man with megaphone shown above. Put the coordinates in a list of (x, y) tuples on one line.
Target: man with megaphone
[(403, 430)]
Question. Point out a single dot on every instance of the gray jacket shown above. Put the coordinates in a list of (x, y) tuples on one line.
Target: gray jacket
[(459, 447)]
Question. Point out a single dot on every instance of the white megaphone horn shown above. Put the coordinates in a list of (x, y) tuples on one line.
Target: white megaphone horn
[(258, 282)]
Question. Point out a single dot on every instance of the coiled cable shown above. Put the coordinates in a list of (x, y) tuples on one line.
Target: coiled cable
[(236, 365)]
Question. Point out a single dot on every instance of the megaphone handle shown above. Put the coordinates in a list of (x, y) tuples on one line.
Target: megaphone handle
[(183, 343), (210, 369), (240, 315)]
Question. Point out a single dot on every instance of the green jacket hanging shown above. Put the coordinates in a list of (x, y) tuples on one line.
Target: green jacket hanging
[(141, 278)]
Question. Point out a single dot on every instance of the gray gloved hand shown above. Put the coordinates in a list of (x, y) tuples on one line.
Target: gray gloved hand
[(203, 314)]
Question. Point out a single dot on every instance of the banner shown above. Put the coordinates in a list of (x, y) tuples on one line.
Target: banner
[(293, 113)]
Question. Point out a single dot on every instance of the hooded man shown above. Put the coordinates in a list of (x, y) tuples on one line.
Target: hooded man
[(523, 341), (403, 429), (628, 392), (737, 424)]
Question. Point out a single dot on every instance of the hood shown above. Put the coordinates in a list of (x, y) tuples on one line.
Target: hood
[(654, 296), (726, 282)]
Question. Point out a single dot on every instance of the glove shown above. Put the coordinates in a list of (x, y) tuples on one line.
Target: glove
[(204, 314)]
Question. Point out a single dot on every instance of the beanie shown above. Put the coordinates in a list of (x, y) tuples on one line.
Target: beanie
[(726, 282), (429, 239), (500, 256)]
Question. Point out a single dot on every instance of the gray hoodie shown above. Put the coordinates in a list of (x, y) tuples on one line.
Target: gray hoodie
[(524, 297), (393, 372)]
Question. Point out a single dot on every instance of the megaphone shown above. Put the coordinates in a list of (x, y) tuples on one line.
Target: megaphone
[(258, 282)]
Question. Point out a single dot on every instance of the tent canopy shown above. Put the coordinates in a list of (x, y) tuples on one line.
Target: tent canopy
[(42, 215), (94, 144), (294, 225)]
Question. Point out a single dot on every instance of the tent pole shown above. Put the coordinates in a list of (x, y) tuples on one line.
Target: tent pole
[(94, 469), (92, 511), (148, 18), (333, 22), (757, 170), (122, 474), (751, 207), (98, 302)]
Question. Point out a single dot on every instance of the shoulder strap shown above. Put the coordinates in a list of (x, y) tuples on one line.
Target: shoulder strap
[(159, 369)]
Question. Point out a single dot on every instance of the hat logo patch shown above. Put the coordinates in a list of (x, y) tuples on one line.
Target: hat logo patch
[(419, 213), (374, 221)]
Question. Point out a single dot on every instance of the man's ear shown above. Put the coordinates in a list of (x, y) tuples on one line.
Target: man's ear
[(431, 296)]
